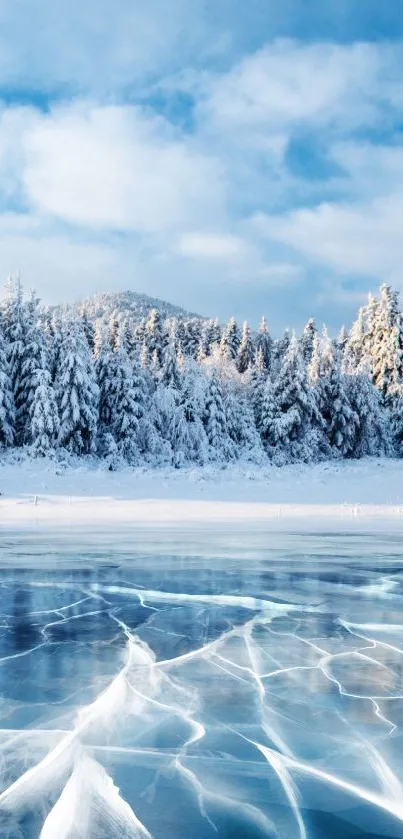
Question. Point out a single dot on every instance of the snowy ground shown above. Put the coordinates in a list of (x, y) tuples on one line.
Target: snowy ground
[(345, 492)]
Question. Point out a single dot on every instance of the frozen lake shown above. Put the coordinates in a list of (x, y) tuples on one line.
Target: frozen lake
[(181, 683)]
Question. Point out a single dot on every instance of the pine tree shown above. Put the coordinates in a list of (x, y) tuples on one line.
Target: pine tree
[(289, 409), (15, 327), (113, 329), (230, 341), (34, 364), (193, 395), (104, 376), (214, 419), (76, 393), (241, 426), (170, 375), (387, 341), (44, 417), (7, 409), (372, 431), (210, 337), (307, 340), (88, 329), (153, 335), (264, 345), (340, 422), (355, 349), (246, 350), (126, 410)]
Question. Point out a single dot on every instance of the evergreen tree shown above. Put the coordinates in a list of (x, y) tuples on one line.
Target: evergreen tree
[(214, 419), (34, 364), (241, 426), (15, 327), (88, 329), (372, 431), (113, 330), (355, 349), (340, 422), (387, 341), (193, 396), (105, 362), (44, 417), (230, 341), (264, 345), (307, 340), (7, 409), (126, 410), (153, 335), (257, 385), (170, 375), (76, 393), (246, 350), (289, 410)]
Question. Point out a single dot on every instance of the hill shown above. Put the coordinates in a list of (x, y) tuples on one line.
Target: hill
[(138, 305)]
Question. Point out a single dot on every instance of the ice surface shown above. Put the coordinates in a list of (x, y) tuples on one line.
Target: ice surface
[(179, 684)]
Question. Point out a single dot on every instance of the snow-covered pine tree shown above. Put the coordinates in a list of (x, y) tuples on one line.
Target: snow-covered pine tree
[(55, 344), (113, 329), (372, 431), (88, 329), (126, 336), (241, 426), (34, 364), (307, 340), (76, 392), (210, 336), (342, 340), (144, 356), (230, 341), (246, 350), (214, 420), (15, 328), (191, 337), (192, 397), (387, 341), (44, 416), (170, 374), (340, 422), (257, 383), (355, 350), (280, 348), (126, 409), (289, 410), (7, 408), (104, 370), (154, 335), (264, 345)]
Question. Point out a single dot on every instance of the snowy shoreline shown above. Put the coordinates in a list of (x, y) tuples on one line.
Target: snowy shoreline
[(344, 494)]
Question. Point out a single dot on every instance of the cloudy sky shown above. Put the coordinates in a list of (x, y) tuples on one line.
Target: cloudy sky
[(232, 157)]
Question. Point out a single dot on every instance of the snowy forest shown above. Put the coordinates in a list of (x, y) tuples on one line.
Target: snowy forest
[(179, 390)]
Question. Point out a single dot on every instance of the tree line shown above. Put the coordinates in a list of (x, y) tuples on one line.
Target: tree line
[(187, 390)]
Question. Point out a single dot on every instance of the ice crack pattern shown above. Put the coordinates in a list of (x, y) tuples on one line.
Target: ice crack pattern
[(168, 694)]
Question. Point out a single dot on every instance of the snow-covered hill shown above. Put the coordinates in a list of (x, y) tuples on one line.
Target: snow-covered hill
[(138, 305)]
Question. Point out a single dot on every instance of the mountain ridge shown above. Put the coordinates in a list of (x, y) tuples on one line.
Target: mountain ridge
[(137, 304)]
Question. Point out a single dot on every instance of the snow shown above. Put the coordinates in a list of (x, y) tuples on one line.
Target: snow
[(344, 493)]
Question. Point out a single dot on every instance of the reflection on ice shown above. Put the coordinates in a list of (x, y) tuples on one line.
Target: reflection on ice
[(233, 697)]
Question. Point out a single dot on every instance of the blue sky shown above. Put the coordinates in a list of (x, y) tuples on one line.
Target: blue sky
[(232, 157)]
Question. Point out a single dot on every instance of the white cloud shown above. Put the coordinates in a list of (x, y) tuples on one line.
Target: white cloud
[(94, 46), (210, 246), (356, 239), (118, 168), (287, 83)]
